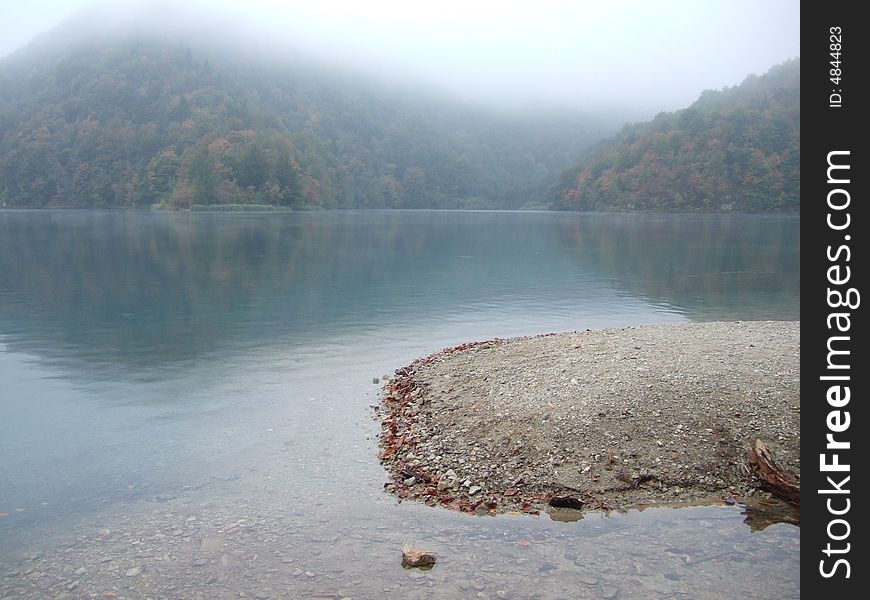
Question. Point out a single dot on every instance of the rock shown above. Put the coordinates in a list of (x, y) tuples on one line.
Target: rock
[(375, 380), (608, 592), (566, 502), (473, 490), (410, 481), (417, 557), (211, 543), (132, 572)]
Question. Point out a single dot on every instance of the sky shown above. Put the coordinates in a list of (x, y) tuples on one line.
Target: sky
[(575, 54)]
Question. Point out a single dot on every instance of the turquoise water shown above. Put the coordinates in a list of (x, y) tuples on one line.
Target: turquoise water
[(221, 364)]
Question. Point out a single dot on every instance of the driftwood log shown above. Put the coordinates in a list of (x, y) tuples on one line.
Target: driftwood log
[(774, 479)]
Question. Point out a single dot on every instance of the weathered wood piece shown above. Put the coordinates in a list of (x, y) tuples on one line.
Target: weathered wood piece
[(774, 479)]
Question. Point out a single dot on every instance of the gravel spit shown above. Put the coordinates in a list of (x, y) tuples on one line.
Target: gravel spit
[(614, 418)]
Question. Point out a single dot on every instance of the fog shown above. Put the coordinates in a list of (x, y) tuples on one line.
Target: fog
[(633, 55)]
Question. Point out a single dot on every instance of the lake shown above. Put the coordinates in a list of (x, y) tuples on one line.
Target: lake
[(185, 398)]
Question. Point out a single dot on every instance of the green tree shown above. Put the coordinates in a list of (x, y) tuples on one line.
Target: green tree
[(203, 179), (162, 173)]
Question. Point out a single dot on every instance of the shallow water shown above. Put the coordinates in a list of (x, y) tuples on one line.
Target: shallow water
[(165, 376)]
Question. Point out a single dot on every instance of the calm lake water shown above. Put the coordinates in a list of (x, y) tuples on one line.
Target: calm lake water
[(190, 395)]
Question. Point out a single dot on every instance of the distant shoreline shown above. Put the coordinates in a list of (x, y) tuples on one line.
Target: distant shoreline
[(613, 418), (276, 208)]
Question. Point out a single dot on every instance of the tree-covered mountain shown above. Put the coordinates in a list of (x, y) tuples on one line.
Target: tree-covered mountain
[(134, 120), (733, 149)]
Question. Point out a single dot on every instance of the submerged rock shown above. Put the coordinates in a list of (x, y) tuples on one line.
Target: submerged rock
[(417, 557)]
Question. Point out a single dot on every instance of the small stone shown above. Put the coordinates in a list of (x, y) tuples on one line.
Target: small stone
[(211, 543), (375, 380), (410, 481), (608, 592), (132, 572), (417, 557), (473, 490)]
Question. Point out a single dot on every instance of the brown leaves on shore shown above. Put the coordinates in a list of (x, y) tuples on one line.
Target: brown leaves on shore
[(520, 425), (400, 435)]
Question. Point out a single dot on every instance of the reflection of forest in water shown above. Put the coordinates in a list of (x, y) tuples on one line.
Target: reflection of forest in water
[(709, 266), (150, 289)]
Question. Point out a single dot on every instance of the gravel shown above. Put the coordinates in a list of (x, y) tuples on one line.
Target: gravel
[(614, 418)]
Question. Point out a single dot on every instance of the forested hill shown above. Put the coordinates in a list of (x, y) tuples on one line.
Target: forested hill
[(734, 149), (134, 121)]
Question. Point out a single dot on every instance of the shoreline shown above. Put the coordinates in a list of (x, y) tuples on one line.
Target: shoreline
[(607, 420)]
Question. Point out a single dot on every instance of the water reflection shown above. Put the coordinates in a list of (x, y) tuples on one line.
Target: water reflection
[(710, 266), (166, 376), (144, 290)]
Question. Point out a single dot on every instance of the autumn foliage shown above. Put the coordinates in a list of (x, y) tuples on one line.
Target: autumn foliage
[(130, 121), (733, 149)]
